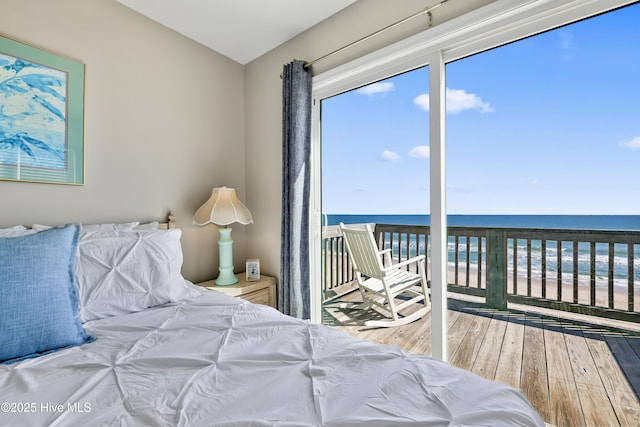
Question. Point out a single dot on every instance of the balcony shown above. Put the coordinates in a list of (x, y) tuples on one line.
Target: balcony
[(552, 312)]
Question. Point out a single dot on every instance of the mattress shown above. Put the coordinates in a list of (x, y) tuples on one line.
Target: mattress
[(215, 360)]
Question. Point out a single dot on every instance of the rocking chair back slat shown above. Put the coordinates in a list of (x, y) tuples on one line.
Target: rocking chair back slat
[(362, 247)]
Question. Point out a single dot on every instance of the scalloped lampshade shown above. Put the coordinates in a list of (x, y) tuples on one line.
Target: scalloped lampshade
[(222, 208)]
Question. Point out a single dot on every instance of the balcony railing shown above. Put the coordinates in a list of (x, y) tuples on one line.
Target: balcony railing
[(594, 272)]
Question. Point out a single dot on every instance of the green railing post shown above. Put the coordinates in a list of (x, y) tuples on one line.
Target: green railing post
[(497, 269)]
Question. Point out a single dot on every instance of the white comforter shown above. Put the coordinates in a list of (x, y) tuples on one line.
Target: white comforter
[(216, 360)]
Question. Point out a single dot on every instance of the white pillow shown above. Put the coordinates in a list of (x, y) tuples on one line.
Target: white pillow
[(95, 227), (123, 271), (108, 227), (148, 226), (15, 231), (40, 227)]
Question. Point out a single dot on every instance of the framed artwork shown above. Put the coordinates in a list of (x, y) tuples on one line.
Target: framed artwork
[(253, 270), (41, 115)]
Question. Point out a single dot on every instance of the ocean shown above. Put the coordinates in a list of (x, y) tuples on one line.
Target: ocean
[(583, 222)]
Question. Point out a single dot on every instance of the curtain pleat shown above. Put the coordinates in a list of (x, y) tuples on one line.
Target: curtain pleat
[(294, 296)]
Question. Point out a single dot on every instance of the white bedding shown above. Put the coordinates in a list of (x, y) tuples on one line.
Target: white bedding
[(216, 360)]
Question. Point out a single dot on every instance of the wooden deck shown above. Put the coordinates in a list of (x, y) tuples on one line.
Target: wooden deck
[(574, 372)]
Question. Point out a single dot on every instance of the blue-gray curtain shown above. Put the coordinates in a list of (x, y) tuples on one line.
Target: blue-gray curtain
[(294, 297)]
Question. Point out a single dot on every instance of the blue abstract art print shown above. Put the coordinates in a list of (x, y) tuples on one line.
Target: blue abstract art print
[(41, 115)]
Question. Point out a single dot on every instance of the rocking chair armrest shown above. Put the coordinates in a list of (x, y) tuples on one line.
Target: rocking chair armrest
[(386, 256), (415, 259)]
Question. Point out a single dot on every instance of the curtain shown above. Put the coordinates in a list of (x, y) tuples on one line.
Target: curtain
[(294, 296)]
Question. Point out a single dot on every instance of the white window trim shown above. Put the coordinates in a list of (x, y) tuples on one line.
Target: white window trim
[(498, 23)]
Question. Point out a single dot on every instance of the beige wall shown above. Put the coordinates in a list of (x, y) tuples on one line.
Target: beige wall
[(164, 123), (263, 98)]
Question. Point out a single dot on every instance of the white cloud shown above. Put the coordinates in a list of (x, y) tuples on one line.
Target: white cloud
[(457, 100), (420, 152), (633, 144), (422, 101), (373, 88), (389, 156)]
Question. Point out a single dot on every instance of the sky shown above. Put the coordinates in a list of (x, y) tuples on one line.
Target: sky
[(546, 125)]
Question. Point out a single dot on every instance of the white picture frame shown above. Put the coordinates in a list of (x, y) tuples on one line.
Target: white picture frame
[(253, 270)]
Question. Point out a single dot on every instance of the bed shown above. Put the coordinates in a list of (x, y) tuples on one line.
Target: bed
[(145, 347)]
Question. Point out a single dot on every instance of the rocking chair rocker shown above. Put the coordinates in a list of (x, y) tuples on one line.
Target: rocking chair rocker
[(383, 283)]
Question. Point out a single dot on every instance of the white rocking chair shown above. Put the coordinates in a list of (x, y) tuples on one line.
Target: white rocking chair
[(381, 282)]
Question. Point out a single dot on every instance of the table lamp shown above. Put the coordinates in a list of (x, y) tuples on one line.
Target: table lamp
[(223, 208)]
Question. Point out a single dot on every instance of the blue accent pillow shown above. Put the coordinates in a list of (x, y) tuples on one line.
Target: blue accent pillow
[(38, 296)]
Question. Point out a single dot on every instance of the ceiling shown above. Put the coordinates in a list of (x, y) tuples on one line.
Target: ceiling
[(242, 30)]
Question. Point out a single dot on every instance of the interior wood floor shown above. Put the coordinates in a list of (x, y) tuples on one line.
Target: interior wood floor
[(574, 371)]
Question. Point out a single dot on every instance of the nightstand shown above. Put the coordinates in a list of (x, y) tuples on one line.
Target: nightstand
[(261, 291)]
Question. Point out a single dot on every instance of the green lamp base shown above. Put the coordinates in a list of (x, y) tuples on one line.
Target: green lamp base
[(225, 245)]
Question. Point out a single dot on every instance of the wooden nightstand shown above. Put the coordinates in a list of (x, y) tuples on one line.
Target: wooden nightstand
[(261, 291)]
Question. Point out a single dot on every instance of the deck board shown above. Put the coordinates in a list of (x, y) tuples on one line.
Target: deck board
[(627, 359), (467, 351), (510, 358), (534, 380), (624, 401), (486, 362), (575, 373), (563, 392), (419, 341), (596, 406), (457, 330)]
